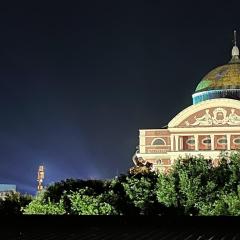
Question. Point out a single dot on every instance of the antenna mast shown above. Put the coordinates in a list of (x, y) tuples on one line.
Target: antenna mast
[(40, 177)]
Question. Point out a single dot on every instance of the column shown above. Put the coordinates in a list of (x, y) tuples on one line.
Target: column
[(142, 141), (212, 141), (228, 142), (176, 141), (172, 142), (196, 142), (180, 143)]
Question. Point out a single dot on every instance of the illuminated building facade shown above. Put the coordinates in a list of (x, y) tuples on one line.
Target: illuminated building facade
[(208, 127)]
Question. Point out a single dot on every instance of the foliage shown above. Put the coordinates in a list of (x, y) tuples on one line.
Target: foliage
[(140, 189), (55, 191), (225, 205), (196, 187), (84, 204), (190, 181), (166, 190), (118, 197), (41, 206), (13, 202), (193, 187)]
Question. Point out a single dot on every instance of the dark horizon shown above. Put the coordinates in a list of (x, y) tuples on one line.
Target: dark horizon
[(79, 81)]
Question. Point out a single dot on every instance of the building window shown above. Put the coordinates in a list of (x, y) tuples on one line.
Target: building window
[(191, 141), (206, 141), (222, 141), (236, 141), (158, 141)]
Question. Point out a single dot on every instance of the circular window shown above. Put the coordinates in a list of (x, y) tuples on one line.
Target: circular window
[(222, 141), (206, 141), (191, 141), (236, 141)]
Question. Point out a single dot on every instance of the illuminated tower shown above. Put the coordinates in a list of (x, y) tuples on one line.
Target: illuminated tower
[(40, 177)]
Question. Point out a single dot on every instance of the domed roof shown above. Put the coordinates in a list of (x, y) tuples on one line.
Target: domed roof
[(221, 82), (223, 77)]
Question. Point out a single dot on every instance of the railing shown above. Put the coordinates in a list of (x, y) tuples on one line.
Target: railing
[(158, 150)]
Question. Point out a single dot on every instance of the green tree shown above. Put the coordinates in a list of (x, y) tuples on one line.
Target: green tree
[(119, 199), (40, 206), (13, 203), (84, 204), (166, 190), (193, 187), (55, 191), (196, 187), (225, 205), (140, 189), (190, 182)]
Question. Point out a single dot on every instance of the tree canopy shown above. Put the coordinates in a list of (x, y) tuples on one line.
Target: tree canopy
[(194, 186)]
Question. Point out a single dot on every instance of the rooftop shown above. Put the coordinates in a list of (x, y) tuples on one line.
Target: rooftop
[(223, 77)]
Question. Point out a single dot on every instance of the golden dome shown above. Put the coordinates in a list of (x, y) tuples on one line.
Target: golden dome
[(223, 77), (221, 82)]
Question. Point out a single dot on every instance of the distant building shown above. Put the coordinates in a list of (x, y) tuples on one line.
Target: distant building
[(5, 189), (208, 127)]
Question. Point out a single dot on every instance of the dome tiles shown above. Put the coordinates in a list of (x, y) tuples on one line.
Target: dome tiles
[(223, 77), (221, 82)]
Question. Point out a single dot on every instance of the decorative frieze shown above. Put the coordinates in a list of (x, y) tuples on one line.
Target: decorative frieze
[(216, 117)]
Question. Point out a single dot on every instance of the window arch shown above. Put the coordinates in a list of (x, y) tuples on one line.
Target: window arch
[(158, 141)]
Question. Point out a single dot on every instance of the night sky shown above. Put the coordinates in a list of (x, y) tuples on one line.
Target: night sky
[(77, 81)]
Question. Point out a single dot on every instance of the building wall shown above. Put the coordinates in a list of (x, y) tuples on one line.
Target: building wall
[(214, 124), (235, 142), (203, 142), (220, 142), (154, 141)]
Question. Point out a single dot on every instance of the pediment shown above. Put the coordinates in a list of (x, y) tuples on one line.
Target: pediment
[(215, 113)]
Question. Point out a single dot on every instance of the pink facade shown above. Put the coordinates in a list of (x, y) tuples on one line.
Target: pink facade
[(206, 129)]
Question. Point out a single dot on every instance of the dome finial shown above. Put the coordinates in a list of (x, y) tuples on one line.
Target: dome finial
[(235, 37), (235, 51)]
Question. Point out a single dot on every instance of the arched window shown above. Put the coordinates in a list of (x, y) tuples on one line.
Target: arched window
[(158, 141)]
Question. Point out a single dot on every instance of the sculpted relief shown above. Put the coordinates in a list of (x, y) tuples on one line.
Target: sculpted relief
[(233, 118), (216, 117)]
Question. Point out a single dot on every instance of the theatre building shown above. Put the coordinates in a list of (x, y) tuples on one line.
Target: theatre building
[(208, 127)]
